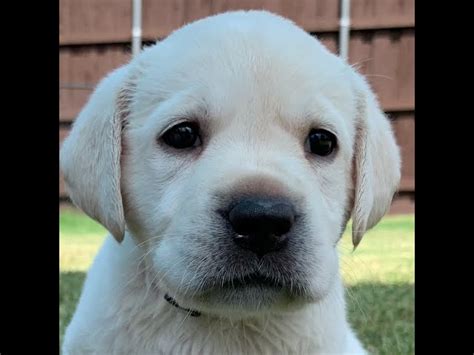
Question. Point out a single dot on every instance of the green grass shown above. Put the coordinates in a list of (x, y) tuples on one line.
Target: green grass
[(379, 276)]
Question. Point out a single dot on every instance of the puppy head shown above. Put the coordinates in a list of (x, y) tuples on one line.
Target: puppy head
[(245, 148)]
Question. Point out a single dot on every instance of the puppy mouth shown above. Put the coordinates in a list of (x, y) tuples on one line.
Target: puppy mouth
[(239, 295), (255, 281)]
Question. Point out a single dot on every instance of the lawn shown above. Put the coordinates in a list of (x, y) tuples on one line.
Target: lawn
[(379, 276)]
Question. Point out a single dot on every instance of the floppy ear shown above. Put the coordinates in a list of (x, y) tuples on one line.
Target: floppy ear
[(376, 163), (90, 156)]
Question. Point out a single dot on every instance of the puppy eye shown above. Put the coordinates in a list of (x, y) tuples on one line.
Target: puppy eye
[(183, 135), (321, 142)]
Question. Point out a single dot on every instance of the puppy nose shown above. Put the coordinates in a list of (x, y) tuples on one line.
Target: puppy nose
[(261, 224)]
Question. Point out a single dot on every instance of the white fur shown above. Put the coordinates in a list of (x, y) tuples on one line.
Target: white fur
[(257, 84)]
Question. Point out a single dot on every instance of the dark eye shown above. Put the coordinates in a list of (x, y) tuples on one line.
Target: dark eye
[(183, 135), (321, 142)]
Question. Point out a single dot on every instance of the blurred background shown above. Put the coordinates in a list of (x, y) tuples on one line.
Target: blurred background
[(376, 36)]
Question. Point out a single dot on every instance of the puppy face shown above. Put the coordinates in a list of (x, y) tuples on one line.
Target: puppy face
[(245, 148)]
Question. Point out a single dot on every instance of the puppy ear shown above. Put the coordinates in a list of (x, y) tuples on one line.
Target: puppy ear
[(376, 163), (90, 156)]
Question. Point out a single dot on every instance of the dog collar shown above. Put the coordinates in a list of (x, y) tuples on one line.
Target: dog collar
[(173, 302)]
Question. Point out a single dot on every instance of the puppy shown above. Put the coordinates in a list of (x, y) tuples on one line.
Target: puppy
[(226, 161)]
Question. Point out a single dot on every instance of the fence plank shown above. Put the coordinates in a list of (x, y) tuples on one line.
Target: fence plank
[(403, 204), (404, 129), (376, 14), (387, 59), (85, 66)]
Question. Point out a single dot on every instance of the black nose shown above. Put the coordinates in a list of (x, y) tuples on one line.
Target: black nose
[(261, 224)]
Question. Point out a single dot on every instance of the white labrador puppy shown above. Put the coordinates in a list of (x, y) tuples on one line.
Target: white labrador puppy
[(226, 161)]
